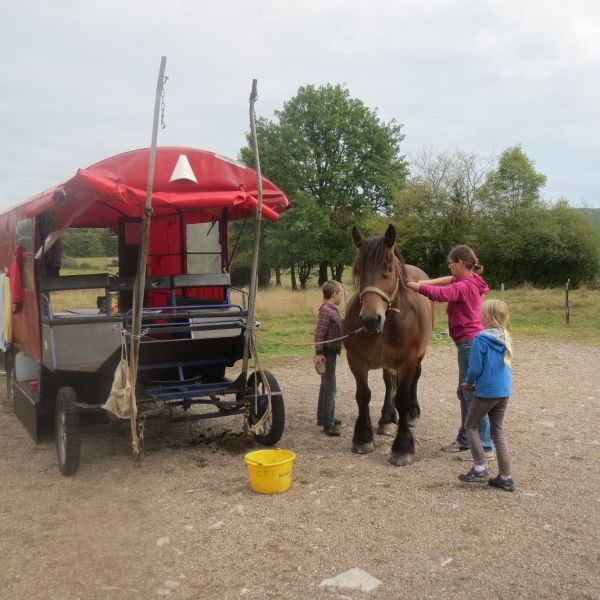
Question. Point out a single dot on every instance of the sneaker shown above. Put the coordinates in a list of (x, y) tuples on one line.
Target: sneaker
[(473, 475), (506, 484), (332, 430), (466, 455), (454, 447)]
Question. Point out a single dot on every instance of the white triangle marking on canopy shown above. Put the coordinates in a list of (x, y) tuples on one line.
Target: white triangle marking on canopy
[(183, 170)]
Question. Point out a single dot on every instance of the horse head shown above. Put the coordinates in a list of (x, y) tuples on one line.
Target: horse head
[(378, 269)]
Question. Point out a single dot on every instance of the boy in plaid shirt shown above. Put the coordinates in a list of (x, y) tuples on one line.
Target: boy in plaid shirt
[(329, 326)]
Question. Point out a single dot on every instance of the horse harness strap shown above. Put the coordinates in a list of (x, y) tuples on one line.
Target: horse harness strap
[(382, 294)]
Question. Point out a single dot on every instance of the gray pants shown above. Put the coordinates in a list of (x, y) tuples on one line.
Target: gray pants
[(495, 408), (326, 405)]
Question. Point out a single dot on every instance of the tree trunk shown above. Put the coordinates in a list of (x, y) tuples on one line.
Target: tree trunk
[(293, 278), (339, 270), (304, 274), (322, 273), (264, 276), (277, 276)]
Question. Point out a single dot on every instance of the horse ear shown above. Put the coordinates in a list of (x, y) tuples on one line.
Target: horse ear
[(357, 237), (390, 236)]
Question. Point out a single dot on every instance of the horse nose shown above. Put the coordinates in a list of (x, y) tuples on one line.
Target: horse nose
[(372, 323)]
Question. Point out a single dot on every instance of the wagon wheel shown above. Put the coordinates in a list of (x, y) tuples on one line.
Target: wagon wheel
[(272, 428), (9, 367), (68, 442)]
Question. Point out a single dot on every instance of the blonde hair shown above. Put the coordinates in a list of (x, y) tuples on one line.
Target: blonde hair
[(495, 314)]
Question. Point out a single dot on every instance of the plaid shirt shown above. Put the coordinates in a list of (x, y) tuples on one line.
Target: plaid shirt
[(329, 326)]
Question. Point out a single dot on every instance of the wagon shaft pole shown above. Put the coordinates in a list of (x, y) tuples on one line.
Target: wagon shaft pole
[(140, 277), (257, 228)]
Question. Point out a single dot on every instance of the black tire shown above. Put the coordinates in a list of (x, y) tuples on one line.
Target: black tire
[(272, 429), (9, 367), (68, 440)]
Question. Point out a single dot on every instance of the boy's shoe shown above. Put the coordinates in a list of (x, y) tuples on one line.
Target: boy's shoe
[(454, 447), (332, 430), (506, 484), (466, 455), (473, 475)]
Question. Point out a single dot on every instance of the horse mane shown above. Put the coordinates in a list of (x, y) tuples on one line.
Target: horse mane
[(372, 253)]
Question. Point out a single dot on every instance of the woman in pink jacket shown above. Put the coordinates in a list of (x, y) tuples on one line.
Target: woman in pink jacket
[(463, 291)]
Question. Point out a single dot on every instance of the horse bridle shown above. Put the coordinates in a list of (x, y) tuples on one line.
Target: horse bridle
[(383, 295)]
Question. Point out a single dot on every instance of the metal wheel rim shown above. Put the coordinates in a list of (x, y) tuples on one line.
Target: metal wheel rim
[(61, 436), (268, 423)]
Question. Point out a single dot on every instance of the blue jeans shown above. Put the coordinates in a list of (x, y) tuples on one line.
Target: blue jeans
[(326, 405), (465, 398)]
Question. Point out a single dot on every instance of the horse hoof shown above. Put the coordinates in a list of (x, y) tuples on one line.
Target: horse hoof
[(362, 448), (412, 422), (402, 460), (388, 429)]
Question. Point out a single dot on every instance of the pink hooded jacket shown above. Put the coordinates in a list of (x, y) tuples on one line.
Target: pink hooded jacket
[(464, 298)]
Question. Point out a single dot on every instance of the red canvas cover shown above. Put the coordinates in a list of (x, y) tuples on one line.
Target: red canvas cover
[(102, 193)]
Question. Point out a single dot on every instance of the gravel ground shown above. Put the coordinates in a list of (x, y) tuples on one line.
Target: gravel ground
[(185, 524)]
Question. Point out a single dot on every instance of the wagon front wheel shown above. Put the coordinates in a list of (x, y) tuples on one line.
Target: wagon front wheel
[(271, 430), (9, 367), (68, 441)]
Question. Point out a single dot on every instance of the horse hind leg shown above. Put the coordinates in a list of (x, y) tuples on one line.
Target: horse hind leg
[(389, 416), (362, 441)]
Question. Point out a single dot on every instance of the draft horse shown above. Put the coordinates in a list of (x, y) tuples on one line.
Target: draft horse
[(396, 327)]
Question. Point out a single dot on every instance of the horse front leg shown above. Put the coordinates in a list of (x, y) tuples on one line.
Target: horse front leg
[(415, 410), (403, 447), (362, 441), (389, 417)]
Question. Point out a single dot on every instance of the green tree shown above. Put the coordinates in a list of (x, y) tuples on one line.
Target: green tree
[(514, 185), (329, 147), (439, 207)]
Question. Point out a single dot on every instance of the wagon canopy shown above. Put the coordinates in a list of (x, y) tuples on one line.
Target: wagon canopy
[(185, 180)]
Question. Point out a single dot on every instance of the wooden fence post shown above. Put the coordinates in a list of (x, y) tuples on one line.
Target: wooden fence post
[(502, 292)]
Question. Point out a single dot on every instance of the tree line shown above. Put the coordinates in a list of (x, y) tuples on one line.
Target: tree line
[(341, 165)]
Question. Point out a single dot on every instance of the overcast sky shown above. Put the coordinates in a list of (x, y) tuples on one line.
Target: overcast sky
[(79, 78)]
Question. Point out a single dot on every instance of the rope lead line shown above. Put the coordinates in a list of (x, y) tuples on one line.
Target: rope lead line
[(261, 337)]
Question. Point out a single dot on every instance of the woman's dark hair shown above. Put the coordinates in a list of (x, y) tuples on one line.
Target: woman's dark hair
[(468, 257)]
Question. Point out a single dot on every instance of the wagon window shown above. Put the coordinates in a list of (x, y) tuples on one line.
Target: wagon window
[(25, 234), (203, 248), (24, 237)]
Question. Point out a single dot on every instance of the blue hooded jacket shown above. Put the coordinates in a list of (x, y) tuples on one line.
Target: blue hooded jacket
[(487, 369)]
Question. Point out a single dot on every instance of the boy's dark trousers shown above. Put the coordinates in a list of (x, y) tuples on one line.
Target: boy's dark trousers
[(326, 405)]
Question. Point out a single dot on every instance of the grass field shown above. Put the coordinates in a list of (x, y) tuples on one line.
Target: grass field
[(287, 319), (290, 317)]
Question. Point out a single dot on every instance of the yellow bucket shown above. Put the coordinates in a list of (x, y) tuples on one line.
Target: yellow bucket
[(270, 471)]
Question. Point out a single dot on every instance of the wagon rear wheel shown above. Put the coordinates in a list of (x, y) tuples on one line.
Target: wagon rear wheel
[(68, 441), (272, 428)]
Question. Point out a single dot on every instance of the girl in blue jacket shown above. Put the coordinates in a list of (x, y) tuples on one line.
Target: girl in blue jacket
[(489, 377)]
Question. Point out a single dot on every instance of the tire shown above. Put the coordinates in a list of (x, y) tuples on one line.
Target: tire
[(68, 441), (272, 429), (9, 367)]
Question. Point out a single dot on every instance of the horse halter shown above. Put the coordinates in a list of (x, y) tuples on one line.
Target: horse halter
[(383, 295)]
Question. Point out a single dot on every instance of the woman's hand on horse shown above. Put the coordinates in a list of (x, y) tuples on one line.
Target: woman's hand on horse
[(413, 285)]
